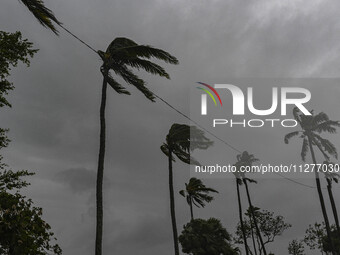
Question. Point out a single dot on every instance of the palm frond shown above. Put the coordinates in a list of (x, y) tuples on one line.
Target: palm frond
[(327, 126), (119, 43), (144, 52), (290, 135), (147, 65), (133, 79), (319, 118), (327, 145), (43, 14), (116, 86), (186, 157), (182, 192)]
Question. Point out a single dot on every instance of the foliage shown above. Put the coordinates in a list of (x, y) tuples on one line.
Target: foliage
[(197, 193), (311, 127), (206, 237), (270, 225), (22, 229), (13, 49), (316, 238), (123, 53), (182, 139), (43, 14), (296, 247)]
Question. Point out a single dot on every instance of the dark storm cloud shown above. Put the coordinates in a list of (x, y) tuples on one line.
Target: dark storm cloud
[(55, 125)]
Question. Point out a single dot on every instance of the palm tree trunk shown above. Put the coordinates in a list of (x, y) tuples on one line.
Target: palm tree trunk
[(254, 218), (172, 205), (100, 171), (252, 236), (331, 198), (241, 218), (191, 210), (322, 201)]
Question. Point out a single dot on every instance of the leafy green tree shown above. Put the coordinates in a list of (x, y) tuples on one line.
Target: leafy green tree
[(206, 237), (270, 226), (180, 141), (13, 49), (316, 238), (296, 247), (122, 54), (22, 229), (196, 193), (246, 159), (311, 127), (43, 14)]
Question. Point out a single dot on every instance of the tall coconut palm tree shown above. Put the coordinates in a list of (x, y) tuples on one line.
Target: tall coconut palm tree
[(246, 159), (311, 127), (330, 177), (238, 183), (196, 193), (121, 54), (180, 141), (43, 14)]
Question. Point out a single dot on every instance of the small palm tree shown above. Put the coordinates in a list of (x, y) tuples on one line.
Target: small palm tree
[(180, 141), (121, 54), (196, 193), (246, 159), (43, 14), (311, 127)]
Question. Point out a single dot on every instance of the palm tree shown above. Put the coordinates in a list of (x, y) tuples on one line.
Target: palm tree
[(311, 127), (330, 177), (196, 193), (121, 54), (43, 14), (246, 159), (180, 141), (238, 183)]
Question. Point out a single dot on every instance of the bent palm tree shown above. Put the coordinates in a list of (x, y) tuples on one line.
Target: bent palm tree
[(246, 159), (311, 127), (196, 194), (43, 14), (121, 54), (180, 141)]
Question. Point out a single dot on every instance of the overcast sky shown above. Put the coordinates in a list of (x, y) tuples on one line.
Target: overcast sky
[(54, 122)]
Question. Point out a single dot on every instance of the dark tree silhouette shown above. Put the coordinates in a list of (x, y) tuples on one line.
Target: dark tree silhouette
[(121, 54), (180, 141), (196, 193), (206, 237), (43, 14)]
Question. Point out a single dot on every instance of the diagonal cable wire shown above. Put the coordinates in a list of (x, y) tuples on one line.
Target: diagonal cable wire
[(80, 40)]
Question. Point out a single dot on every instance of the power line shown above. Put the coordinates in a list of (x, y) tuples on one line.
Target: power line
[(80, 40)]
